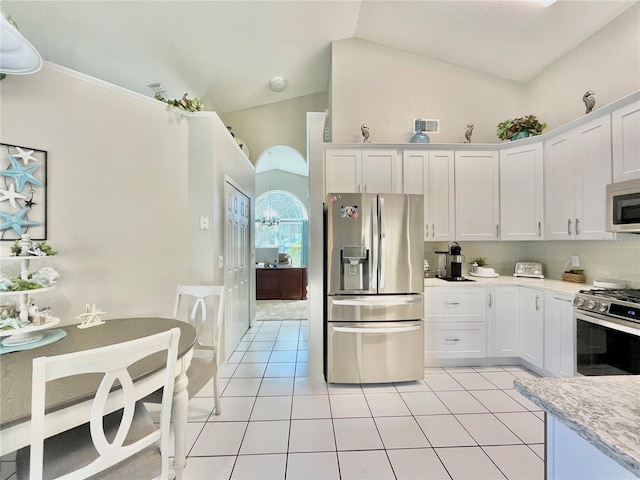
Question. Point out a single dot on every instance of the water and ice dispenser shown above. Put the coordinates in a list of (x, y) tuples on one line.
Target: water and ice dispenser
[(354, 268)]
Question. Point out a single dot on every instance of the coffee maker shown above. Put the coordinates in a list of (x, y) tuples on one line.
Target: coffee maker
[(455, 261)]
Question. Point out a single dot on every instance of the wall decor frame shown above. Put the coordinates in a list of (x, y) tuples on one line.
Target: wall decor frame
[(23, 192)]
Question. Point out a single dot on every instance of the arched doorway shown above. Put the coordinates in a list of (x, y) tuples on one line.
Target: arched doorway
[(282, 202)]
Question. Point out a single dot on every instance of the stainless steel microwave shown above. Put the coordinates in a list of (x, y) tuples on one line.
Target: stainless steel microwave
[(623, 206)]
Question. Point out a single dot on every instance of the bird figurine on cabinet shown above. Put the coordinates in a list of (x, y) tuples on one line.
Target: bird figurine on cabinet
[(365, 133), (589, 100), (468, 132)]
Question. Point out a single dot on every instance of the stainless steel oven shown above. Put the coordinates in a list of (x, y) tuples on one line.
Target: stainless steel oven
[(608, 332)]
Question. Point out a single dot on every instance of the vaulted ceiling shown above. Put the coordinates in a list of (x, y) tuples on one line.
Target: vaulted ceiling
[(227, 51)]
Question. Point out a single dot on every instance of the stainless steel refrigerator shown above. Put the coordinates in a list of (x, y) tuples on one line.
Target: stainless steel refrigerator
[(374, 253)]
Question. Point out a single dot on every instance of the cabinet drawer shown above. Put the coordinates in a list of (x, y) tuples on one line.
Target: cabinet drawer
[(456, 340), (455, 304)]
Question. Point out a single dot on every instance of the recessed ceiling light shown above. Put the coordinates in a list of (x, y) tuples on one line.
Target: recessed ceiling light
[(277, 84), (545, 3)]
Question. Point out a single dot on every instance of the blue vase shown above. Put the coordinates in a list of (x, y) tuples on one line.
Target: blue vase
[(419, 136)]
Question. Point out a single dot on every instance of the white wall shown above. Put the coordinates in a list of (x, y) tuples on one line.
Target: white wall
[(607, 63), (281, 123), (117, 190), (387, 88)]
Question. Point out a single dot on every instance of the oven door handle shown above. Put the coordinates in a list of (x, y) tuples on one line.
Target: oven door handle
[(411, 328), (613, 324)]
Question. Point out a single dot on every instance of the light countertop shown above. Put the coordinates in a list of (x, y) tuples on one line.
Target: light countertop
[(605, 411), (509, 280)]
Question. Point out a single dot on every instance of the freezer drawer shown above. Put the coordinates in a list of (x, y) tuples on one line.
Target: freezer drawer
[(375, 352), (374, 308)]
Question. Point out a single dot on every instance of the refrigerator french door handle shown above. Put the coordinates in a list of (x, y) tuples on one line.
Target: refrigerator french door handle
[(374, 241), (411, 328), (383, 242), (369, 303)]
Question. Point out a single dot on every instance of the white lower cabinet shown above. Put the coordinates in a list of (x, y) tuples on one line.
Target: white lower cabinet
[(500, 322), (455, 323), (559, 335), (504, 308), (532, 326), (455, 340)]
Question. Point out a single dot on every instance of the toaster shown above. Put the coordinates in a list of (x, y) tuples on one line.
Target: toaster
[(528, 269)]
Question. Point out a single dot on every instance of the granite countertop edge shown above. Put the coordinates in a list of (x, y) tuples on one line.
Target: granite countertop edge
[(609, 443)]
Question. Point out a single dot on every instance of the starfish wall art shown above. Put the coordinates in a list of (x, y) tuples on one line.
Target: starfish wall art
[(23, 192)]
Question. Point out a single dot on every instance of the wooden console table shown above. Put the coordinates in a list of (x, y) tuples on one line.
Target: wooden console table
[(289, 283)]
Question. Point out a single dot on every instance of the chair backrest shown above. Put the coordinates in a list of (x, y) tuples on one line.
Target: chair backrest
[(208, 331), (111, 361)]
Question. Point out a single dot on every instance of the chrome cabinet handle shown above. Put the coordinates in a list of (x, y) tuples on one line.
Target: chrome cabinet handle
[(498, 230), (577, 226), (537, 305), (539, 228), (569, 227), (490, 302), (453, 304), (451, 340), (433, 230)]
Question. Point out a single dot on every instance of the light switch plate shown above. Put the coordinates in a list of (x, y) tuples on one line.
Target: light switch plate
[(204, 223), (575, 261), (220, 261)]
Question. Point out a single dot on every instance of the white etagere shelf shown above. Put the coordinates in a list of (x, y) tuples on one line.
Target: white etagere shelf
[(25, 262)]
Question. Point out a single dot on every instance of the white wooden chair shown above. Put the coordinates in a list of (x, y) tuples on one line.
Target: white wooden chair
[(204, 365), (124, 444)]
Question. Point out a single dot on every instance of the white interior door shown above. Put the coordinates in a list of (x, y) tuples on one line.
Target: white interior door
[(237, 254)]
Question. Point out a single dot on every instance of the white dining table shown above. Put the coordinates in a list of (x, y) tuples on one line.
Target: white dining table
[(69, 400)]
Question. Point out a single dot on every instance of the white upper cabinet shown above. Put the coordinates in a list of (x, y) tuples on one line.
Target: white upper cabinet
[(343, 169), (625, 134), (477, 194), (357, 170), (431, 173), (381, 171), (577, 168), (521, 193)]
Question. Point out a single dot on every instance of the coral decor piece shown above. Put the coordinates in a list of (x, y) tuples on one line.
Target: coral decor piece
[(90, 318)]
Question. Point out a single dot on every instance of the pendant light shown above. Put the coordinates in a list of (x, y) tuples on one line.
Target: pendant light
[(270, 216), (17, 55)]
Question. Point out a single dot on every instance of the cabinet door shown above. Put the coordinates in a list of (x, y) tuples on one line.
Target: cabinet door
[(414, 178), (625, 133), (440, 198), (381, 171), (455, 304), (477, 195), (343, 170), (559, 335), (592, 173), (559, 185), (532, 326), (505, 306), (454, 340), (521, 193)]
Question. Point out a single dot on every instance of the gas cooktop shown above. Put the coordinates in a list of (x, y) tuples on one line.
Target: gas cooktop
[(621, 294), (621, 303)]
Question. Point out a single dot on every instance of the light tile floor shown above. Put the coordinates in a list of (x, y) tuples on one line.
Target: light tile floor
[(276, 423)]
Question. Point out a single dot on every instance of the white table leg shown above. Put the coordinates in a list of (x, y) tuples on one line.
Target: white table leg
[(179, 414)]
